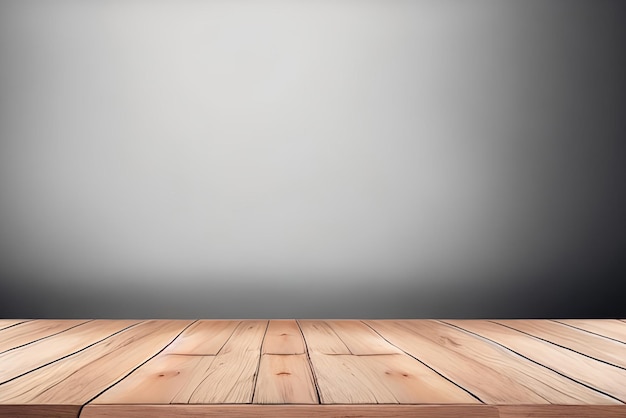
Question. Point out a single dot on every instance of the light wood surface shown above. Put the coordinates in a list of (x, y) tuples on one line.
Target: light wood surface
[(283, 337), (285, 378), (321, 339), (393, 378), (493, 374), (339, 368), (610, 328), (362, 340), (6, 323), (601, 377), (231, 376), (78, 378), (43, 352), (204, 338), (29, 332), (595, 346)]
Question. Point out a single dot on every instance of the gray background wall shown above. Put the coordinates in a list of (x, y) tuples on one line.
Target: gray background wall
[(312, 158)]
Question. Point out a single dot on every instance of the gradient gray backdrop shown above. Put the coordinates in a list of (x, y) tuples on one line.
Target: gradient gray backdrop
[(312, 158)]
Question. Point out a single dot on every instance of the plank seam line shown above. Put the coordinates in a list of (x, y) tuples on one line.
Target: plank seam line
[(14, 325), (590, 332), (308, 357), (536, 362), (47, 336), (80, 410), (338, 336), (70, 354), (202, 355), (562, 346), (258, 365), (414, 357), (214, 358)]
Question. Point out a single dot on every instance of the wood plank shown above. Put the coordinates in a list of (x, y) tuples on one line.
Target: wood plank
[(293, 411), (387, 378), (580, 341), (320, 338), (601, 376), (24, 359), (180, 368), (610, 328), (285, 379), (158, 381), (77, 379), (6, 323), (492, 373), (283, 337), (361, 339), (31, 331), (231, 376), (203, 338)]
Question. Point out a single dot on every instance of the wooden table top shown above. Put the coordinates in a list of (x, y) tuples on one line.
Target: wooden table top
[(227, 368)]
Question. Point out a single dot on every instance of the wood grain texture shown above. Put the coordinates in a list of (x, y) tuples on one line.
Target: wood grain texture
[(600, 376), (611, 328), (321, 338), (493, 374), (360, 339), (283, 337), (175, 373), (31, 331), (285, 379), (27, 358), (231, 376), (328, 368), (159, 381), (203, 338), (392, 378), (76, 379), (588, 344), (293, 411), (6, 323)]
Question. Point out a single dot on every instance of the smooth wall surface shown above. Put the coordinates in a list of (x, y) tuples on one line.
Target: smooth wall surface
[(312, 158)]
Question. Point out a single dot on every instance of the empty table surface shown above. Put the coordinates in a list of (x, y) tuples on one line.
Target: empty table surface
[(404, 368)]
